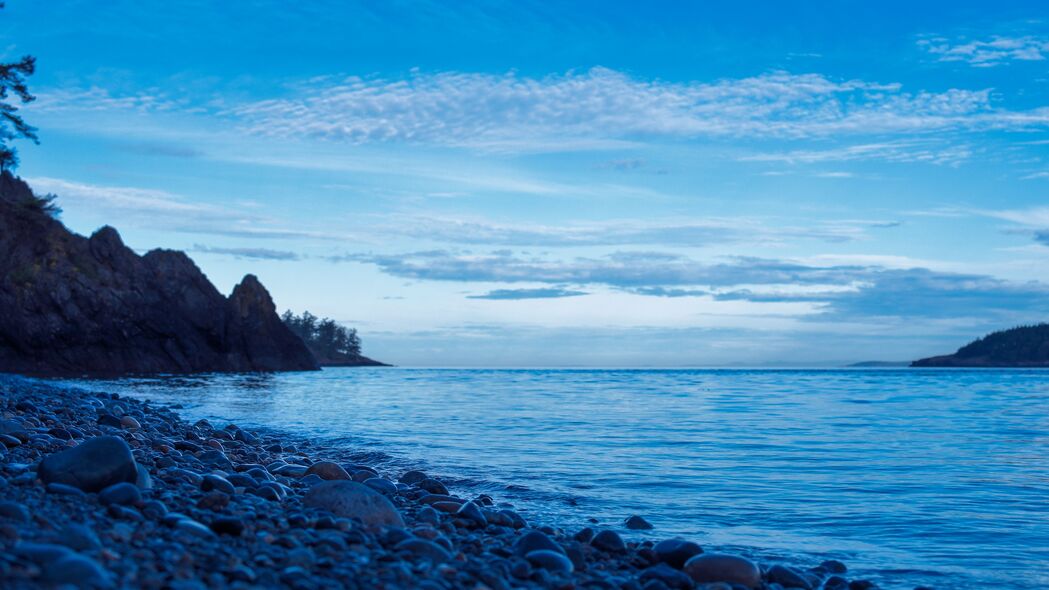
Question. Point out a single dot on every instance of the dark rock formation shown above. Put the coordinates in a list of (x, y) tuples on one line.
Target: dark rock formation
[(1026, 346), (91, 306)]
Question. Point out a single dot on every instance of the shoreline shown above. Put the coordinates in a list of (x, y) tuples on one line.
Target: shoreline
[(215, 506)]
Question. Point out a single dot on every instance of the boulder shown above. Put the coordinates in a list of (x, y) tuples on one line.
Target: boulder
[(90, 466), (718, 567), (353, 500), (329, 471)]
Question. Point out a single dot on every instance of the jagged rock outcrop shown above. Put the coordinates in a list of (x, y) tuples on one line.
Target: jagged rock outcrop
[(71, 305), (1025, 346)]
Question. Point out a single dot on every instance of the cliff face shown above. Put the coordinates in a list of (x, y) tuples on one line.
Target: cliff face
[(71, 305), (1026, 346)]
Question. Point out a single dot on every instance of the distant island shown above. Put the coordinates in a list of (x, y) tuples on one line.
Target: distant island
[(1024, 346), (876, 364), (76, 306)]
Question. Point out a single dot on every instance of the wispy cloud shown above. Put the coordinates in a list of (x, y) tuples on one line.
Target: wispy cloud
[(680, 232), (254, 253), (469, 109), (844, 291), (989, 52), (517, 294), (906, 151)]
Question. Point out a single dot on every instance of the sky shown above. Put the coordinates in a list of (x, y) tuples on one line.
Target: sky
[(573, 183)]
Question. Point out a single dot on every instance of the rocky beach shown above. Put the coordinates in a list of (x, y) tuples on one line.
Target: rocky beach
[(103, 491)]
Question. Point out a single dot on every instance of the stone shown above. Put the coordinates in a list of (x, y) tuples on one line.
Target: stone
[(413, 477), (62, 489), (290, 470), (787, 577), (129, 422), (675, 552), (228, 526), (551, 561), (637, 523), (9, 441), (78, 538), (109, 420), (383, 486), (90, 466), (719, 567), (609, 541), (535, 541), (14, 511), (194, 528), (76, 570), (472, 513), (353, 500), (433, 486), (217, 482), (424, 549), (834, 566), (123, 493), (669, 576), (216, 458), (328, 471)]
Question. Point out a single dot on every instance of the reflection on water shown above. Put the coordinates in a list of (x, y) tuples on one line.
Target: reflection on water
[(912, 477)]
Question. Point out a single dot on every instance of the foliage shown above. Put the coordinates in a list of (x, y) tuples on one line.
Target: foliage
[(13, 81), (1020, 344), (324, 337)]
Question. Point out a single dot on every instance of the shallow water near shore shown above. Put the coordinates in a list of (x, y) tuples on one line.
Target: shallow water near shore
[(912, 477)]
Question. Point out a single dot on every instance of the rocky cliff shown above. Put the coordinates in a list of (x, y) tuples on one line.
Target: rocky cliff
[(1026, 346), (71, 305)]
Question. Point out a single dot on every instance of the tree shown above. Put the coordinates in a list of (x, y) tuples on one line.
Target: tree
[(325, 338), (12, 126)]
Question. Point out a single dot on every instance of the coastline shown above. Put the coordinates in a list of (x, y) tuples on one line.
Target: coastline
[(259, 523)]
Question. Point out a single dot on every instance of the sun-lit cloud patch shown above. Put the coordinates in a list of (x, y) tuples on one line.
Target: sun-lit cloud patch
[(518, 294)]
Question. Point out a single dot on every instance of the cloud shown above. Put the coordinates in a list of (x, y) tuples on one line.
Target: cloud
[(254, 253), (904, 151), (157, 208), (711, 231), (167, 150), (487, 110), (516, 294), (989, 52), (842, 291)]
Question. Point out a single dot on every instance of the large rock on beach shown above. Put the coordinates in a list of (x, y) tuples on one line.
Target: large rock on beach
[(718, 567), (90, 466), (353, 500)]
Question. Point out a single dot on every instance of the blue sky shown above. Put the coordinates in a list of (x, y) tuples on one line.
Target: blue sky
[(590, 183)]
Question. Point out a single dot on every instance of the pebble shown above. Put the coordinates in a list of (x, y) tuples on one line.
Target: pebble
[(14, 511), (609, 541), (534, 541), (120, 493), (472, 513), (353, 500), (717, 567), (76, 570), (675, 552), (90, 466), (328, 471), (551, 561), (637, 523), (433, 486), (787, 577), (425, 549), (217, 482)]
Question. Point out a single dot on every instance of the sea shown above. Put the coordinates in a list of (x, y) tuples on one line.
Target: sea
[(912, 477)]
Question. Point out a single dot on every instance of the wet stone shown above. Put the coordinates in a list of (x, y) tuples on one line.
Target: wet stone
[(551, 561), (215, 482), (90, 466), (534, 541), (717, 567), (675, 552), (120, 493), (328, 471), (352, 500), (609, 541), (637, 523)]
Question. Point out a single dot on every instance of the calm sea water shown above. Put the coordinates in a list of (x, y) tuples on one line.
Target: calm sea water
[(912, 477)]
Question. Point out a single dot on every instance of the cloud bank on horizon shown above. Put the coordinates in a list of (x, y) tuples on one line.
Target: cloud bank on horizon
[(479, 184)]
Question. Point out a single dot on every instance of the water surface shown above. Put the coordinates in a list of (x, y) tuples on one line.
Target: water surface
[(912, 477)]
